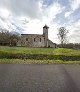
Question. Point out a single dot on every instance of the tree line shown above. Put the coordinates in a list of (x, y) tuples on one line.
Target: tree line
[(8, 38), (70, 45)]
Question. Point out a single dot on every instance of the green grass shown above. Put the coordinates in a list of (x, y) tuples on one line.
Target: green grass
[(48, 51), (25, 50), (43, 54), (67, 52)]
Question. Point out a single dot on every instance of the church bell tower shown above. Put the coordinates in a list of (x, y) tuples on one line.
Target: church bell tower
[(45, 34)]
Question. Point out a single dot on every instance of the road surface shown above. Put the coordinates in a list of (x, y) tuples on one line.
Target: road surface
[(39, 78)]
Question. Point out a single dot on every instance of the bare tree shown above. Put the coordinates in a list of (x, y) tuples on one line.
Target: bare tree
[(62, 35)]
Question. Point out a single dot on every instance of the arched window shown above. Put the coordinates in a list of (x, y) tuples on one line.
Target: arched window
[(40, 39)]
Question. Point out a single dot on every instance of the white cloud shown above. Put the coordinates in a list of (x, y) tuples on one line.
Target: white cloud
[(53, 31), (67, 14), (51, 12), (34, 27), (75, 4), (4, 13), (22, 7), (3, 24), (74, 32)]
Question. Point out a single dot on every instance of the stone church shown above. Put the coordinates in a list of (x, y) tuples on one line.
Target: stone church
[(37, 40)]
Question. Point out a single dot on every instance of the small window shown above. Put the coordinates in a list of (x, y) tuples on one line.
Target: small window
[(34, 39), (26, 39), (40, 39)]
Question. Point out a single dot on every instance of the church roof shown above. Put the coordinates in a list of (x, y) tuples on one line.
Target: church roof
[(45, 26)]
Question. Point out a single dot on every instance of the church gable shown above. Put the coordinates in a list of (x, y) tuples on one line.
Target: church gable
[(51, 44)]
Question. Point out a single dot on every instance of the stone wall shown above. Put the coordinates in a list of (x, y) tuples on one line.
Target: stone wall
[(32, 40)]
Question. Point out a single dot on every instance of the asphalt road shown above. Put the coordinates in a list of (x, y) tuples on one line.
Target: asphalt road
[(39, 78)]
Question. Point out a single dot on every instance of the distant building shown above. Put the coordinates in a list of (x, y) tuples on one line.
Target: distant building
[(37, 40)]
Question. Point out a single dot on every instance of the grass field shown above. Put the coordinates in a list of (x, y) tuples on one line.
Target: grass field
[(48, 51), (38, 55)]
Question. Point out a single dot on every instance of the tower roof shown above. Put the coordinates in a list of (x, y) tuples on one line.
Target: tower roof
[(45, 26)]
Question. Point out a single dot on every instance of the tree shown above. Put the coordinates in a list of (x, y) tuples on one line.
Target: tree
[(8, 38), (62, 35), (4, 37), (13, 39)]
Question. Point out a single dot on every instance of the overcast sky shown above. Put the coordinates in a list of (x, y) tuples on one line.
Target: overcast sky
[(29, 17)]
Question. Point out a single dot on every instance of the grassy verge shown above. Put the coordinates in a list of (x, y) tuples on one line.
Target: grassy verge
[(24, 55), (19, 61)]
